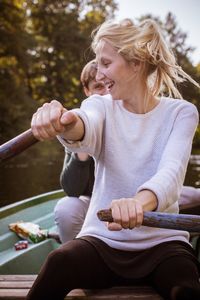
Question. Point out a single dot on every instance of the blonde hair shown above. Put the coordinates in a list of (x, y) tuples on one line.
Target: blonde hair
[(88, 73), (144, 43)]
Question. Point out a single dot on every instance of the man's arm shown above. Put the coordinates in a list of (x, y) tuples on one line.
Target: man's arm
[(77, 177)]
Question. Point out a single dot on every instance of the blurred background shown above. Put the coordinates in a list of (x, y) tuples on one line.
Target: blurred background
[(44, 45)]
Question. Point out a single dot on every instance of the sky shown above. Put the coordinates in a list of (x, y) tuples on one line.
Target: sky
[(187, 13)]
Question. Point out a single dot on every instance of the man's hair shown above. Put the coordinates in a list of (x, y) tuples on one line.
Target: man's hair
[(88, 73)]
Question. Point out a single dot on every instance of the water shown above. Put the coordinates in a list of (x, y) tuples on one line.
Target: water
[(31, 173), (193, 172), (37, 171)]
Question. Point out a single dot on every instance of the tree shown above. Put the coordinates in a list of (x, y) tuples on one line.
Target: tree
[(62, 30), (178, 42), (182, 51), (14, 63), (43, 47)]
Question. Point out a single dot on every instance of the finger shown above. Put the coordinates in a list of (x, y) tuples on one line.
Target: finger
[(114, 226), (124, 213), (132, 214), (139, 214), (45, 120), (35, 128), (68, 118), (55, 114), (116, 214), (39, 125)]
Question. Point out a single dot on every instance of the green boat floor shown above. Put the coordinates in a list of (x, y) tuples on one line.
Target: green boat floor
[(38, 210)]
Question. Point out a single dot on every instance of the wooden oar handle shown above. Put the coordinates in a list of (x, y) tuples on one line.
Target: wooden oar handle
[(17, 145), (184, 222)]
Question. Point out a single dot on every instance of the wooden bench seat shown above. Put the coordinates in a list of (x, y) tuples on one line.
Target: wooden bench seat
[(16, 287)]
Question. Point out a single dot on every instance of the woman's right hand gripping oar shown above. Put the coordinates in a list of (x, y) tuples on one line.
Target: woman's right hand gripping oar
[(53, 119)]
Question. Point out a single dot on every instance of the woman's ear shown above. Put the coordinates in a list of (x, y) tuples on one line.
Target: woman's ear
[(136, 65)]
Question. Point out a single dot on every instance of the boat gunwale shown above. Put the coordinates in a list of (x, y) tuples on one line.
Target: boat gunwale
[(30, 202)]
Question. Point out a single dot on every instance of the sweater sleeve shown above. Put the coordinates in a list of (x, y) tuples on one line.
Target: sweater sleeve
[(92, 113), (168, 180), (77, 177)]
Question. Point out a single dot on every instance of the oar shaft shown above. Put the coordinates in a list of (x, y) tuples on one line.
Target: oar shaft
[(184, 222), (17, 145)]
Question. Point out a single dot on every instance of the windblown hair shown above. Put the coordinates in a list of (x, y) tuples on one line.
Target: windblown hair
[(144, 43), (88, 73)]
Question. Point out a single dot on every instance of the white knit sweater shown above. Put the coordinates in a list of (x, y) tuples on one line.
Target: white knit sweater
[(133, 152)]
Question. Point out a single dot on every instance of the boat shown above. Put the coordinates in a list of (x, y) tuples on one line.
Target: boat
[(18, 268), (37, 210)]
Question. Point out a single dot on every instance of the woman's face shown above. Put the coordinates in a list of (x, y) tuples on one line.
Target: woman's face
[(117, 74)]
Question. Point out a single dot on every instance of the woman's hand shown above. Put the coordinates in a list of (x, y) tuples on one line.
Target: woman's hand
[(127, 213), (52, 119)]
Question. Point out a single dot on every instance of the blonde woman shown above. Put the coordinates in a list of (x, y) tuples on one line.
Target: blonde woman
[(141, 143)]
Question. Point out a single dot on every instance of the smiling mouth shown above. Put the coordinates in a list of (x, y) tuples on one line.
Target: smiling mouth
[(109, 85)]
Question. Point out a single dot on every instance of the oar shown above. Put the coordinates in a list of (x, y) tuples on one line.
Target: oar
[(17, 145), (185, 222)]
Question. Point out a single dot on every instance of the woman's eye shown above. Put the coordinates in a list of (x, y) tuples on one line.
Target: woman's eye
[(105, 63)]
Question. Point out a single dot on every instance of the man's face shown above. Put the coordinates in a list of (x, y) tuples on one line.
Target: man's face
[(96, 87)]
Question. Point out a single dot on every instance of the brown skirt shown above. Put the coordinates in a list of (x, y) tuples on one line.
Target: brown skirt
[(139, 264)]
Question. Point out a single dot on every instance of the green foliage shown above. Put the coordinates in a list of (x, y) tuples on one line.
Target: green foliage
[(182, 51), (196, 142), (62, 31), (43, 47), (177, 41), (14, 65)]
